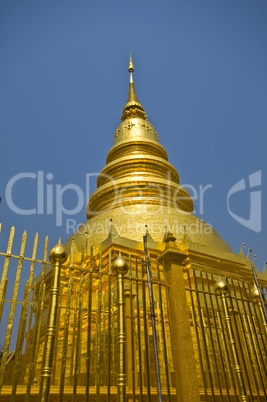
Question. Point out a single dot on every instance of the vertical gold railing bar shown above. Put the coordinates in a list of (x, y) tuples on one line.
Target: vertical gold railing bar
[(166, 363), (113, 369), (263, 323), (58, 255), (20, 339), (132, 326), (72, 355), (120, 268), (5, 269), (3, 295), (260, 354), (44, 264), (55, 357), (109, 326), (204, 336), (139, 332), (246, 342), (225, 342), (36, 337), (88, 357), (217, 335), (161, 354), (80, 321), (168, 340), (23, 320), (168, 349), (145, 331), (261, 336), (237, 340), (98, 331), (12, 310), (237, 332), (255, 343), (256, 365), (104, 379), (193, 320), (242, 389), (210, 332), (79, 328), (30, 319), (153, 321), (66, 327), (197, 335), (38, 321)]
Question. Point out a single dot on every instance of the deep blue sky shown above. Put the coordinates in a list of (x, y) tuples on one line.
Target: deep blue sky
[(200, 73)]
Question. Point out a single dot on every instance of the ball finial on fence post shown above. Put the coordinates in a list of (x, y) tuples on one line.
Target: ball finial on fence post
[(221, 287), (120, 268), (58, 255)]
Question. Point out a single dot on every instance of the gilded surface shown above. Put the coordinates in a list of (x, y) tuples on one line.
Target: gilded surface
[(139, 186), (205, 341)]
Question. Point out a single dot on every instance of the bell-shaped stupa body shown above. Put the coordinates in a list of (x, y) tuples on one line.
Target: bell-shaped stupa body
[(139, 189)]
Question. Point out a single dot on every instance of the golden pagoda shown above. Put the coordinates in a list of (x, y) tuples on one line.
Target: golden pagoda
[(139, 186), (107, 321)]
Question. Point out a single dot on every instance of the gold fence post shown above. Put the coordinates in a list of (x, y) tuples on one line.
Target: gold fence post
[(120, 268), (222, 288), (186, 382), (58, 255)]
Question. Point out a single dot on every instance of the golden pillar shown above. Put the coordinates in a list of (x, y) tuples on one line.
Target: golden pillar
[(187, 387), (120, 268), (221, 287), (58, 255)]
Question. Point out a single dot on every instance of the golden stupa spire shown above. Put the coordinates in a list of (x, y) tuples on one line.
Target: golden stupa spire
[(131, 68), (132, 108)]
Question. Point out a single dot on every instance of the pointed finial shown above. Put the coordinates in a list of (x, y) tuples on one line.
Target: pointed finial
[(58, 253), (131, 68), (132, 108), (255, 292)]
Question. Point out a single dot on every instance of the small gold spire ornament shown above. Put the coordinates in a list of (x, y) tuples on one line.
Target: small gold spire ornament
[(131, 67), (132, 108), (58, 253)]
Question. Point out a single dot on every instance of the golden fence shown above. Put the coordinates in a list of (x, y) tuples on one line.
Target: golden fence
[(85, 345), (82, 332), (229, 334)]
